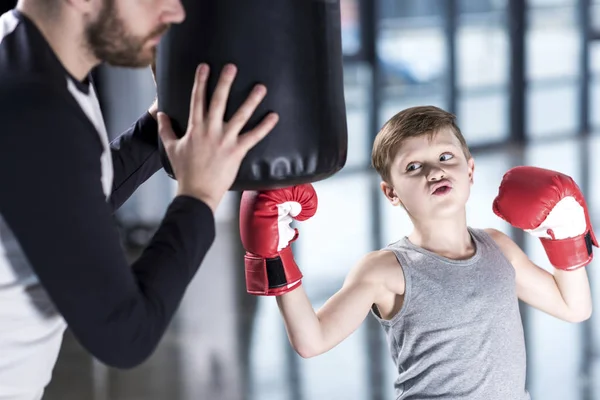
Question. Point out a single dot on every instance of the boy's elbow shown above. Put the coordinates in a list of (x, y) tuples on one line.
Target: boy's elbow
[(585, 316), (580, 316), (305, 351)]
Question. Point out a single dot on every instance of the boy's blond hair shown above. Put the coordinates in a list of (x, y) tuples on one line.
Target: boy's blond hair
[(408, 123)]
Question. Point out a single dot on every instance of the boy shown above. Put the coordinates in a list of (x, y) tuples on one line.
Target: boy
[(446, 295)]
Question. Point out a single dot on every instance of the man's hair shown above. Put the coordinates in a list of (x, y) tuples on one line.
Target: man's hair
[(409, 123)]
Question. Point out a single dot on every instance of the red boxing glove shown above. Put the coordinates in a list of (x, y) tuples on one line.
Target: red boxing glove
[(550, 206), (265, 219)]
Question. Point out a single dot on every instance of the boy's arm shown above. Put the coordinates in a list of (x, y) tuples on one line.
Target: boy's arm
[(550, 206), (271, 270), (312, 333), (564, 294)]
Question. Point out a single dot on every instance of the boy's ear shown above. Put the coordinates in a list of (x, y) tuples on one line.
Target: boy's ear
[(390, 193), (471, 168)]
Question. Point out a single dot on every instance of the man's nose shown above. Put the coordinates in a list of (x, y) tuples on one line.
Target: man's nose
[(173, 13)]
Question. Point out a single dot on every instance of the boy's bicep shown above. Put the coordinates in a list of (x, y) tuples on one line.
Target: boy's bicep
[(343, 313), (535, 286)]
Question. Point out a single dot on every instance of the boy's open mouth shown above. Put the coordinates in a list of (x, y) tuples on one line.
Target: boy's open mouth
[(442, 190), (442, 187)]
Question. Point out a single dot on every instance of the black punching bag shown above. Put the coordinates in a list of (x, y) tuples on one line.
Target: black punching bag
[(294, 48)]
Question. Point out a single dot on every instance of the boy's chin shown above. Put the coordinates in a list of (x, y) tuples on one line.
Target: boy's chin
[(447, 210)]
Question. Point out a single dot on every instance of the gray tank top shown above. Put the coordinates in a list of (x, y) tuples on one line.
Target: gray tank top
[(458, 334)]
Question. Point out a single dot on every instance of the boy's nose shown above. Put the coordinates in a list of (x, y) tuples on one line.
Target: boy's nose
[(435, 174)]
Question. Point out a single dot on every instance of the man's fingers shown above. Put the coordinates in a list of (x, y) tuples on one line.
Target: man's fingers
[(251, 138), (243, 114), (197, 103), (218, 102)]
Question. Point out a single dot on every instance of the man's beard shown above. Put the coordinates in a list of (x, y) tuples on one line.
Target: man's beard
[(109, 41)]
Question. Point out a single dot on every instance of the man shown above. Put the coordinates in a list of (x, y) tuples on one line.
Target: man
[(61, 263)]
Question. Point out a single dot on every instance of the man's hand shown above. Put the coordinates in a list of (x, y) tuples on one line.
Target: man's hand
[(207, 158)]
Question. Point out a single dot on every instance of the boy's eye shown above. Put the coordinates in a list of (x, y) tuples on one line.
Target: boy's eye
[(413, 166), (446, 157)]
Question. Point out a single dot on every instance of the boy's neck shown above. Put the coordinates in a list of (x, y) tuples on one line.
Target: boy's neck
[(449, 238)]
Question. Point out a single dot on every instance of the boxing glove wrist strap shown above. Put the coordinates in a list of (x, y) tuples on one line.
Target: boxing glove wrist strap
[(271, 276), (571, 253)]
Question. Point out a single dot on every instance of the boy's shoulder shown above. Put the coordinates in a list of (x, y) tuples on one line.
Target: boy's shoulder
[(379, 260), (494, 233), (380, 267), (499, 237), (506, 244)]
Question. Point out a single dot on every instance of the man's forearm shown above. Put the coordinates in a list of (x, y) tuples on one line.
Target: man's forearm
[(135, 158), (574, 287)]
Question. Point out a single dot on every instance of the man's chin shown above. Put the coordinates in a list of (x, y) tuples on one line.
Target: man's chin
[(143, 60)]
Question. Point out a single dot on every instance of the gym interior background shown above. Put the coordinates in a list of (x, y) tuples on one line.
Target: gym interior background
[(522, 76)]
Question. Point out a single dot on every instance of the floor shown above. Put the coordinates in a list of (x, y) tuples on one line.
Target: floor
[(227, 345)]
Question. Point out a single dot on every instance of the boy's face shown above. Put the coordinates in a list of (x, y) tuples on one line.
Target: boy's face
[(431, 178)]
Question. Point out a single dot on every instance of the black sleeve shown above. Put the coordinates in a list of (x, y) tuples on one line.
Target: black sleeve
[(53, 202), (135, 158)]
